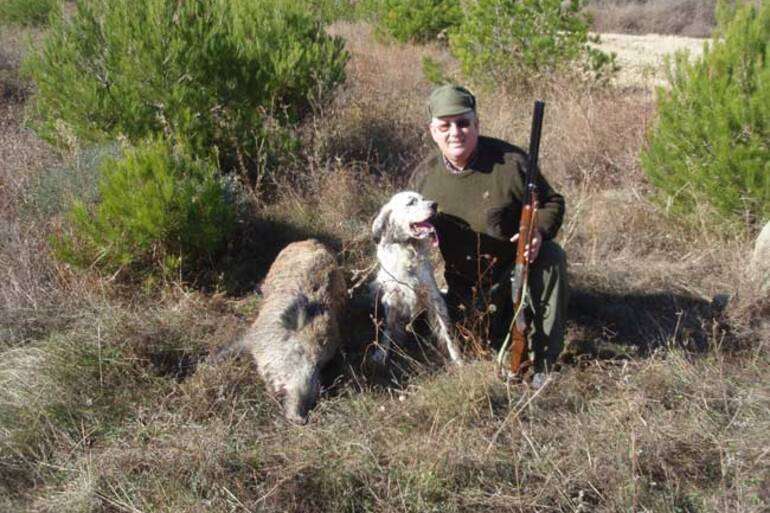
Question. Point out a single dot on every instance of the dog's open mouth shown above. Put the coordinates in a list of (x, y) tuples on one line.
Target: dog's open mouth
[(424, 229)]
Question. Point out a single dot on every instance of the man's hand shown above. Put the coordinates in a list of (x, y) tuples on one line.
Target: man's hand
[(531, 250)]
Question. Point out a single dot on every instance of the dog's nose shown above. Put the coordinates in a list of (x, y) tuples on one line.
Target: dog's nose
[(433, 206)]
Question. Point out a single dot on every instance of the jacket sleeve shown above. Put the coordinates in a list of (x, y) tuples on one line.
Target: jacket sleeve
[(550, 212)]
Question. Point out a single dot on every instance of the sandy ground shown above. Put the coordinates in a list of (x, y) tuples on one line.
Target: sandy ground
[(642, 58)]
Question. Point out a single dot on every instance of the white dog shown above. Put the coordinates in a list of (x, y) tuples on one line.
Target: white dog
[(405, 284)]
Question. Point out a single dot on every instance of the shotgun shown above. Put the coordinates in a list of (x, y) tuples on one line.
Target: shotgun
[(517, 336)]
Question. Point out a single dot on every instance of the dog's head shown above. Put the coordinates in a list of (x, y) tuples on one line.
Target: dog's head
[(405, 217)]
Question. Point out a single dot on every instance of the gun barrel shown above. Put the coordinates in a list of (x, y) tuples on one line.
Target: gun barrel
[(534, 148)]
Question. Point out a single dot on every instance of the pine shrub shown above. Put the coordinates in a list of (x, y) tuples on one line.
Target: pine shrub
[(159, 212), (333, 10), (711, 143), (27, 12), (233, 74), (418, 21), (513, 42)]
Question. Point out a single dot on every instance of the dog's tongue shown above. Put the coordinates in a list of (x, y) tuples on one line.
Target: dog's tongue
[(429, 228)]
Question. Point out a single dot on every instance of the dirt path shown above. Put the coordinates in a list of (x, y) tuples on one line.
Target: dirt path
[(642, 58)]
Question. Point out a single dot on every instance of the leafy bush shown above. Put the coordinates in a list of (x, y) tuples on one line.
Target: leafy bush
[(226, 73), (515, 41), (158, 210), (27, 12), (433, 71), (710, 143), (418, 21), (333, 10)]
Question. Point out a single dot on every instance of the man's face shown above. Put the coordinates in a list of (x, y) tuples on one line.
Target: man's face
[(456, 136)]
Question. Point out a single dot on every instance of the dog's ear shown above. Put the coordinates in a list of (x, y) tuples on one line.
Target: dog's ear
[(380, 223)]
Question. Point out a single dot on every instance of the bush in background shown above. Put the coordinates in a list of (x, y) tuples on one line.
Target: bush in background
[(418, 21), (159, 210), (226, 73), (710, 143), (27, 12), (693, 18), (516, 41), (333, 10)]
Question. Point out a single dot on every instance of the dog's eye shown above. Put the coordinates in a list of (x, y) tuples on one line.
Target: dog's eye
[(412, 202)]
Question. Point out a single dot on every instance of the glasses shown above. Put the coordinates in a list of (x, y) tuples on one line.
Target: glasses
[(443, 126)]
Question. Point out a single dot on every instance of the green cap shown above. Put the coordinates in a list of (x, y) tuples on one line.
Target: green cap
[(450, 100)]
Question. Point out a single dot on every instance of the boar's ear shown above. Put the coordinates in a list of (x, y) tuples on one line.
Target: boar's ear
[(380, 223)]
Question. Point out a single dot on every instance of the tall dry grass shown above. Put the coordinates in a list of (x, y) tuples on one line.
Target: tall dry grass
[(28, 290), (693, 18), (664, 434)]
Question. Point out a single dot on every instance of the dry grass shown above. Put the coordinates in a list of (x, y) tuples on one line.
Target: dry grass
[(380, 118), (693, 18), (28, 291), (665, 434), (106, 404)]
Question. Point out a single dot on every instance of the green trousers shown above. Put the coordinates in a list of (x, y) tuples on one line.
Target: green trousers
[(548, 295)]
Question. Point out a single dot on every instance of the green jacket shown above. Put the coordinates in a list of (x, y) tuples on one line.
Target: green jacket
[(479, 208)]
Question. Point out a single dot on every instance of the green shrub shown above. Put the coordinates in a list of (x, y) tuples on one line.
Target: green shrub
[(27, 12), (433, 71), (333, 10), (516, 41), (159, 210), (418, 21), (226, 73), (710, 144)]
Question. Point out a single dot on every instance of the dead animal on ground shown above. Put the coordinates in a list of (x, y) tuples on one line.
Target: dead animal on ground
[(297, 330), (405, 285)]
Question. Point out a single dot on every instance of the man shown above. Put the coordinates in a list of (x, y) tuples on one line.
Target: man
[(478, 183)]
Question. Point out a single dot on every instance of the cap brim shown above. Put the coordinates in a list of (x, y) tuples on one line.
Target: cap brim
[(451, 111)]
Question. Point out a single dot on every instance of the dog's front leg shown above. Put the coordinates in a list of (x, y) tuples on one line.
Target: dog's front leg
[(439, 317), (394, 333)]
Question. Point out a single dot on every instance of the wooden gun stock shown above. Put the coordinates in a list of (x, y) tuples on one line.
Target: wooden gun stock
[(518, 282), (519, 360)]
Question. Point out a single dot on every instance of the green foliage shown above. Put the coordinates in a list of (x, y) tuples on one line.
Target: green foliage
[(333, 10), (516, 41), (227, 73), (433, 71), (27, 12), (418, 21), (158, 210), (369, 10), (710, 144)]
